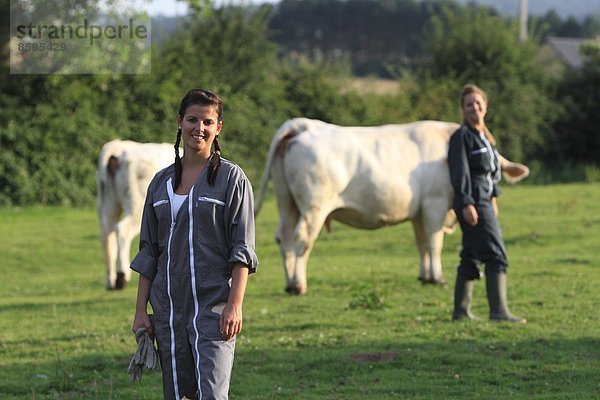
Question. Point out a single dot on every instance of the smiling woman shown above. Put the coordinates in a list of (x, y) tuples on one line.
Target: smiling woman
[(200, 121), (196, 252), (474, 173)]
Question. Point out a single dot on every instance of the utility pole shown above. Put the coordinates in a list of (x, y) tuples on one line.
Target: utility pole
[(522, 20)]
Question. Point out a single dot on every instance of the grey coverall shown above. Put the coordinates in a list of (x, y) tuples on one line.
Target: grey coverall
[(189, 258), (474, 172)]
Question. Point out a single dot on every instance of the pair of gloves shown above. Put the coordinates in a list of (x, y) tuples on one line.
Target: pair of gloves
[(145, 356)]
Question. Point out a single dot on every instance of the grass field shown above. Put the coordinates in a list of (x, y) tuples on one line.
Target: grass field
[(366, 330)]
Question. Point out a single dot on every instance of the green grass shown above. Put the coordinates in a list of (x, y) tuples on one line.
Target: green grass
[(366, 330)]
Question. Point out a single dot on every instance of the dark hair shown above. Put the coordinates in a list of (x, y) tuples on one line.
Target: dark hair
[(206, 98), (470, 89)]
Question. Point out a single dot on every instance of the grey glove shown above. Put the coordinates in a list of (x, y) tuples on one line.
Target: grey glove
[(145, 355)]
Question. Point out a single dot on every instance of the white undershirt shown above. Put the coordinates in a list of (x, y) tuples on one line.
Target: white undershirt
[(178, 200)]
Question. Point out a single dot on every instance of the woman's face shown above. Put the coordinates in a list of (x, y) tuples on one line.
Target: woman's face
[(199, 127), (474, 109)]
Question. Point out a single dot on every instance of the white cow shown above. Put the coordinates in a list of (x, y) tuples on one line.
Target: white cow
[(125, 169), (365, 177)]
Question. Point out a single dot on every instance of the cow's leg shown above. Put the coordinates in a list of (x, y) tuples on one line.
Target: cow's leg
[(433, 215), (423, 246), (109, 243), (436, 243), (126, 231), (109, 216), (288, 219)]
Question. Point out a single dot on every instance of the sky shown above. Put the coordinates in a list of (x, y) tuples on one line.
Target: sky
[(168, 7), (174, 7), (578, 8)]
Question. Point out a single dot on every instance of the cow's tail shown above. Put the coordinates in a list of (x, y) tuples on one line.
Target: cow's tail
[(108, 164), (288, 130), (513, 172)]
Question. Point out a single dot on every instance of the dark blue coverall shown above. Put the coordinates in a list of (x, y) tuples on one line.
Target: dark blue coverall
[(474, 172)]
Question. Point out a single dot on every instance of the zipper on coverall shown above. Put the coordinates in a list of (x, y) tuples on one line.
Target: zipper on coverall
[(168, 272)]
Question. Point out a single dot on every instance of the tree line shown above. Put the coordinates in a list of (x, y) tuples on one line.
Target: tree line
[(382, 37), (52, 126)]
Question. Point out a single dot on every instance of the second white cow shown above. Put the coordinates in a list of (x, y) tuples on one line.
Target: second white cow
[(125, 169), (365, 177)]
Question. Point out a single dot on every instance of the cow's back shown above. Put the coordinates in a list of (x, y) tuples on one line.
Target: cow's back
[(140, 164), (368, 176), (136, 164)]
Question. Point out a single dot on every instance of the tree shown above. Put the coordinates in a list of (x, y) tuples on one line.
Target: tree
[(53, 126), (578, 139), (475, 46), (226, 50), (377, 37)]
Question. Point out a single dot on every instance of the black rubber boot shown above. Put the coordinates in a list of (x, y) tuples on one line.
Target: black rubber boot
[(496, 293), (463, 294)]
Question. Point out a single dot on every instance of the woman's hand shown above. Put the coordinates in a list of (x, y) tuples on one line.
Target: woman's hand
[(230, 323), (470, 214), (142, 320)]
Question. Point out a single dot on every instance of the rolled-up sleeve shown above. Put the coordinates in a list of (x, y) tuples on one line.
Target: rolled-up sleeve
[(240, 224), (145, 261), (460, 174)]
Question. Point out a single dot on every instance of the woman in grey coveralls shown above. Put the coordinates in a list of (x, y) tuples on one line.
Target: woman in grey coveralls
[(196, 251), (474, 173)]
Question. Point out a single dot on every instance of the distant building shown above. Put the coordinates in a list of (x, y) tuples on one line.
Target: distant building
[(567, 49)]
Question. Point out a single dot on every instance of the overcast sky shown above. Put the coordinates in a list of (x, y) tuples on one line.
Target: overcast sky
[(572, 7), (167, 7), (174, 7)]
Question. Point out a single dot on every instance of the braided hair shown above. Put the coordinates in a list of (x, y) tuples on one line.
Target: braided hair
[(205, 98)]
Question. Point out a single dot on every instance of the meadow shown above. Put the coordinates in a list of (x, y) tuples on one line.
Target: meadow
[(367, 329)]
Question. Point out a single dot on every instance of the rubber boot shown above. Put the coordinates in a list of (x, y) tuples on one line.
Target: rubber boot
[(463, 294), (496, 293)]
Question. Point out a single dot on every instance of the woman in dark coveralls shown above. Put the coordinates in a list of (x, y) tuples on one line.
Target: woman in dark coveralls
[(474, 173)]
